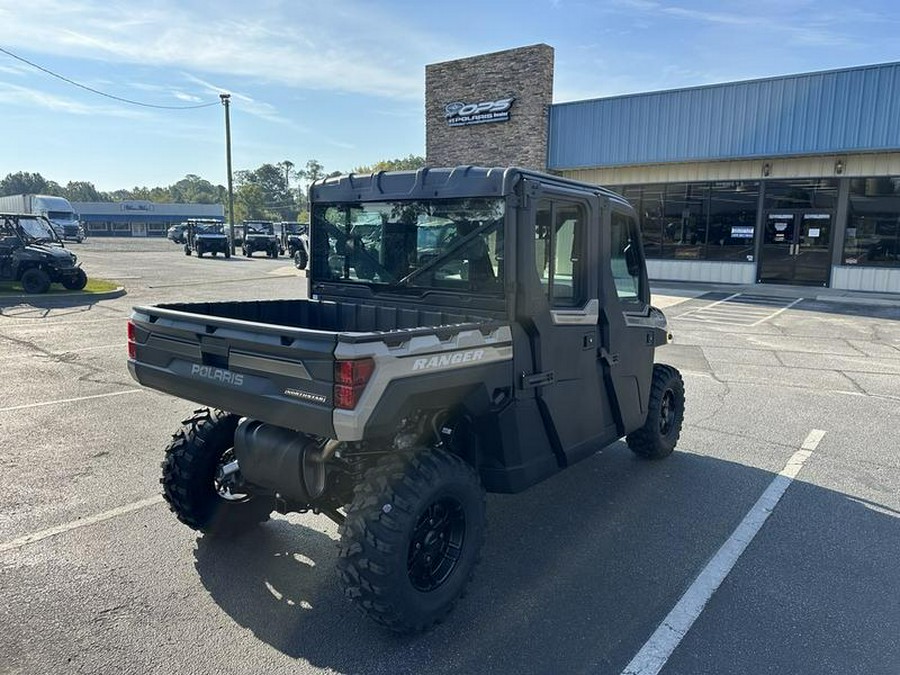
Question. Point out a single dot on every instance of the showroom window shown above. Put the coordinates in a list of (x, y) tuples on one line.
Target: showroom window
[(873, 223), (732, 220), (697, 221)]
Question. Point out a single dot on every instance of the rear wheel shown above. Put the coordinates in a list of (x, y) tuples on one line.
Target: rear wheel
[(187, 249), (77, 281), (227, 252), (196, 480), (665, 414), (300, 259), (412, 538), (35, 280)]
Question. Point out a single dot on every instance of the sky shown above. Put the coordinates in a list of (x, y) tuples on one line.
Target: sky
[(343, 81)]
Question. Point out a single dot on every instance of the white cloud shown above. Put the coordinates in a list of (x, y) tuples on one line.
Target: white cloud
[(15, 95), (348, 46)]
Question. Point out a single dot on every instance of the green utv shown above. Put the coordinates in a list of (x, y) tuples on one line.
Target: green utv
[(467, 330), (32, 254)]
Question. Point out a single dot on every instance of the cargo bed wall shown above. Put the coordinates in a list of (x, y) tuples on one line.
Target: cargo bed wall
[(325, 315)]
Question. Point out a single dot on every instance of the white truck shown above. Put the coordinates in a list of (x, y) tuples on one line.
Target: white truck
[(57, 210)]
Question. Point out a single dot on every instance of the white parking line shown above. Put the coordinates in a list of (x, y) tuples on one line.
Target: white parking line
[(783, 309), (68, 400), (657, 650), (75, 524)]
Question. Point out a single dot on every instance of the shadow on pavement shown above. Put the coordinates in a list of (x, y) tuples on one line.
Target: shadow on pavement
[(577, 573), (38, 306)]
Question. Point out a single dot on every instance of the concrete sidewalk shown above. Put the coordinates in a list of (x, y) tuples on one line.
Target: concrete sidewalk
[(684, 290)]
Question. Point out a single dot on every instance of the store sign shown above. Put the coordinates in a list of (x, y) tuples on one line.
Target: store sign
[(461, 114), (136, 207)]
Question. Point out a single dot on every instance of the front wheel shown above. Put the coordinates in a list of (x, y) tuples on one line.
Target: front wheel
[(412, 538), (227, 253), (35, 280), (77, 281), (665, 414), (196, 480)]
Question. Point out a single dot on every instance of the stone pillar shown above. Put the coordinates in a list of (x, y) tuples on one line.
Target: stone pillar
[(469, 118)]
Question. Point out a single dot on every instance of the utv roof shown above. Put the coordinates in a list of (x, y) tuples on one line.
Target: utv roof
[(461, 181)]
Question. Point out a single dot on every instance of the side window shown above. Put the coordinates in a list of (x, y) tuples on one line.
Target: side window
[(558, 242), (625, 258)]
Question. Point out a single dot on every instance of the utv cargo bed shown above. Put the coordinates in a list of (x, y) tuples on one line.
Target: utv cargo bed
[(275, 360)]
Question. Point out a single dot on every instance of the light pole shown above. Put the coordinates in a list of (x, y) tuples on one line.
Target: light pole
[(226, 100)]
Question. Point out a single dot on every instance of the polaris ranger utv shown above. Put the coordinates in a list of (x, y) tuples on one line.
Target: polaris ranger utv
[(466, 330), (32, 254), (259, 235), (206, 237), (294, 240)]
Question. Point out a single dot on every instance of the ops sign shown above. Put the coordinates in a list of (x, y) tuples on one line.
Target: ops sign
[(460, 114)]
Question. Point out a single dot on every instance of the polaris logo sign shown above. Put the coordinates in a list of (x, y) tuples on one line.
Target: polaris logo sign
[(217, 374), (460, 114)]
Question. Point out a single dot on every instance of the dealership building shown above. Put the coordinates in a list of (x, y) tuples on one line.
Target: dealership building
[(783, 180), (139, 218)]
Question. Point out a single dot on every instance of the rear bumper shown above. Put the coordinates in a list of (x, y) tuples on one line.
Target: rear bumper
[(246, 395)]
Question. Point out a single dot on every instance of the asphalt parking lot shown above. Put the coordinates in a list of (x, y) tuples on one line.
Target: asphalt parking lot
[(96, 576)]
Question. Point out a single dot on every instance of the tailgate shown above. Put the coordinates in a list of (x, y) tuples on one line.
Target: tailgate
[(278, 374)]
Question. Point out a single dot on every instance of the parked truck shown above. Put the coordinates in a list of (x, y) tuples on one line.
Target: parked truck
[(466, 330), (57, 210)]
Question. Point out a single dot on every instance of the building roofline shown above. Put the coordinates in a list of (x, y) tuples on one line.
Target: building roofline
[(719, 85)]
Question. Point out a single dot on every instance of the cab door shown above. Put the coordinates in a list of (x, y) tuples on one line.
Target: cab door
[(561, 320), (629, 326)]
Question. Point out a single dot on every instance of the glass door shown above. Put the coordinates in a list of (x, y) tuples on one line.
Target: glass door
[(813, 249), (776, 260), (796, 248)]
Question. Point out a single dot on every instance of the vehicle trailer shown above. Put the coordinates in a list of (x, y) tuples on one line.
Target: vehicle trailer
[(466, 329), (57, 210)]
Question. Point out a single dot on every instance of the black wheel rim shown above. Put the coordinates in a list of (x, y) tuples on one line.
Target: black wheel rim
[(436, 544), (667, 413)]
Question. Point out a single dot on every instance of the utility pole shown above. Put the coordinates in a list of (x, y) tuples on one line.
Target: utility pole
[(226, 100)]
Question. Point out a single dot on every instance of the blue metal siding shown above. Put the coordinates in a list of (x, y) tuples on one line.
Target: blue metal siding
[(849, 110)]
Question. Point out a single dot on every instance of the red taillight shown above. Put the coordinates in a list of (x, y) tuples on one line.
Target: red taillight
[(132, 348), (350, 379), (353, 372)]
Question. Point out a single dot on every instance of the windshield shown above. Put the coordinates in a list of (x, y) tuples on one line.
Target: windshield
[(60, 215), (209, 229), (450, 244), (260, 228), (36, 229)]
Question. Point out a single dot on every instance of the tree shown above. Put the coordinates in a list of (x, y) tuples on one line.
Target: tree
[(23, 183), (409, 163), (250, 203), (83, 191), (278, 203)]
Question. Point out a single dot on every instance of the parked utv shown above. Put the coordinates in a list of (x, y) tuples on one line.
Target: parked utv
[(294, 240), (259, 235), (466, 330), (206, 237), (32, 254)]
